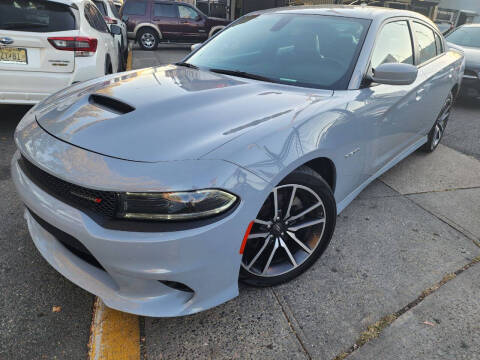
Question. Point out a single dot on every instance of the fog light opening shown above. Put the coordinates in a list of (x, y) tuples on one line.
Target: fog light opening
[(177, 286)]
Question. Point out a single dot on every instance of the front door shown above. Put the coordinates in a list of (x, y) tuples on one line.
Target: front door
[(392, 111), (165, 16), (435, 71), (194, 29)]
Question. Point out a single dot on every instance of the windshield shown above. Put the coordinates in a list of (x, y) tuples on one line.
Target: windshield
[(304, 50), (465, 36)]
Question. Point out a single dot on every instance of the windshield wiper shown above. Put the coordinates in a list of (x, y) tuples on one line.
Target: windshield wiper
[(244, 75), (191, 66)]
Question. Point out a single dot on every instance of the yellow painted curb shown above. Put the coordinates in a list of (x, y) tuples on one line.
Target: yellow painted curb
[(114, 335), (129, 60)]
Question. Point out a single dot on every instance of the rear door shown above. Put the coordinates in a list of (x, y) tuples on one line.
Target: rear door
[(435, 71), (106, 43), (193, 25), (26, 25), (165, 16)]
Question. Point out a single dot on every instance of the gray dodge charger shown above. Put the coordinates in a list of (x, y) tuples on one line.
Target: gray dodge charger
[(159, 189)]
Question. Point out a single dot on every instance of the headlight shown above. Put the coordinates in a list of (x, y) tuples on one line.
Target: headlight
[(186, 205)]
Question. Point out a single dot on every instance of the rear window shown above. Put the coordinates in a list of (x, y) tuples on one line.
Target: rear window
[(134, 8), (35, 16), (114, 9)]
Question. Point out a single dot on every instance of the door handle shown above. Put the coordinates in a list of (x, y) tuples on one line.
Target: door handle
[(420, 93), (183, 21)]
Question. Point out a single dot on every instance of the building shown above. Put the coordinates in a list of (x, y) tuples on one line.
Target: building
[(233, 9), (459, 12)]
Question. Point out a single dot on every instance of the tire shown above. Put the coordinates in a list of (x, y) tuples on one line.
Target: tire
[(148, 39), (438, 130), (108, 67), (121, 61), (274, 236)]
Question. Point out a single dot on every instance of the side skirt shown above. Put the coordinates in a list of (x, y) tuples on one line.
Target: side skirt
[(405, 153)]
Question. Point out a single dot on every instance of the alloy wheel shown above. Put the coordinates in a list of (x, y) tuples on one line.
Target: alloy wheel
[(287, 231), (441, 123), (148, 40)]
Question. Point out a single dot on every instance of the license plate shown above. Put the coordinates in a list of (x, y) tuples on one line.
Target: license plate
[(13, 55)]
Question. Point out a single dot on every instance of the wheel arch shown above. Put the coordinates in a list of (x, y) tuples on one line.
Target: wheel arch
[(140, 26), (325, 168), (215, 29)]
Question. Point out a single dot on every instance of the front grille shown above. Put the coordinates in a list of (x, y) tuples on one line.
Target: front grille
[(68, 241), (103, 203)]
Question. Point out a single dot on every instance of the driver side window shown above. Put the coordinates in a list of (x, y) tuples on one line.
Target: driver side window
[(187, 12), (393, 45)]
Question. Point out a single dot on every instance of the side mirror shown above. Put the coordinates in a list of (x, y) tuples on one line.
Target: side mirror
[(395, 74), (124, 18), (194, 47), (115, 30)]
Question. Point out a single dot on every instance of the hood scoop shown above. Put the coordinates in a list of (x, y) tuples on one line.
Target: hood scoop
[(110, 104)]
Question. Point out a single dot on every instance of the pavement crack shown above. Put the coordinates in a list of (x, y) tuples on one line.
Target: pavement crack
[(373, 331), (290, 320), (441, 191), (450, 223), (443, 219)]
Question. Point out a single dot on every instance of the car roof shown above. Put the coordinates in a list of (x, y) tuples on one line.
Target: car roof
[(356, 11)]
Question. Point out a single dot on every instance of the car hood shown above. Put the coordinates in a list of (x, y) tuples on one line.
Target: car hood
[(167, 113), (472, 55)]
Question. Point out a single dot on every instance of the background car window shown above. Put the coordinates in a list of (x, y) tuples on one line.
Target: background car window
[(95, 19), (427, 48), (101, 6), (187, 12), (465, 36), (303, 50), (89, 16), (114, 9), (35, 16), (134, 8), (439, 43), (164, 10), (393, 45)]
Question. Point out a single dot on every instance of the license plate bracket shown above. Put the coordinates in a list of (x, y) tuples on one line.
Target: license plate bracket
[(10, 55)]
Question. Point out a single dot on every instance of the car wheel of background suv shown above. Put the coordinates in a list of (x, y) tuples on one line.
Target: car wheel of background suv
[(147, 38)]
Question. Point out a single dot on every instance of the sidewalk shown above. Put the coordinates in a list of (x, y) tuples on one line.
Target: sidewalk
[(384, 289)]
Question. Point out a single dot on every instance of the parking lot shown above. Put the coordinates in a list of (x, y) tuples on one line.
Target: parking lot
[(399, 280)]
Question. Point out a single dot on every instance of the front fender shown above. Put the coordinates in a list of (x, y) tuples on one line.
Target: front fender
[(320, 129)]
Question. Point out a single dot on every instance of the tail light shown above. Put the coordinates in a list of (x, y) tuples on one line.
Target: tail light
[(82, 46), (109, 20)]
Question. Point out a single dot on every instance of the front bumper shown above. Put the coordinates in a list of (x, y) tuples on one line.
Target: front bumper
[(204, 258)]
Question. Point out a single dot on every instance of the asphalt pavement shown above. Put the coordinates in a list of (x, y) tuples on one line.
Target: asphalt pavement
[(399, 280)]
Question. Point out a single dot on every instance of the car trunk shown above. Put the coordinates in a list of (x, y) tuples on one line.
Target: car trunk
[(26, 26)]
